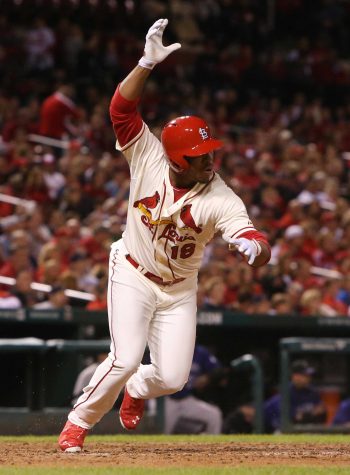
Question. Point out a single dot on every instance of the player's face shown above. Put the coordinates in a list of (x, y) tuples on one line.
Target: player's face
[(201, 168), (301, 380)]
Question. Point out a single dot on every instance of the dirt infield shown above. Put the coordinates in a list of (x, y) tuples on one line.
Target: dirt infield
[(106, 454)]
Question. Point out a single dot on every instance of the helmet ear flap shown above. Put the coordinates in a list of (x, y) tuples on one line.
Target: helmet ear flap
[(174, 166)]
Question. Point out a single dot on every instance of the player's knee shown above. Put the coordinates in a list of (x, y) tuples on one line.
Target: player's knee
[(128, 367), (172, 383)]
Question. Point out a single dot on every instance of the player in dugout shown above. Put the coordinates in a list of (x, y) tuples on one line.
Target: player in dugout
[(177, 203)]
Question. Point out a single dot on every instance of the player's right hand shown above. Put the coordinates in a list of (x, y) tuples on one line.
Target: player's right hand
[(155, 52), (249, 248)]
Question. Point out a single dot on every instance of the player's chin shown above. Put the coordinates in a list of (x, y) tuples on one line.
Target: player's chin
[(205, 177)]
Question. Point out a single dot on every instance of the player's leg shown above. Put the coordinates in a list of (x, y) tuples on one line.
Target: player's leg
[(171, 340), (128, 329)]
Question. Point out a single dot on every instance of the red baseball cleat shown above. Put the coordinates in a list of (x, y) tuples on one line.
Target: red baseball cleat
[(72, 438), (131, 411)]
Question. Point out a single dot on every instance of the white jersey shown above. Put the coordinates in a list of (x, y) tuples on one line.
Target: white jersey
[(168, 238)]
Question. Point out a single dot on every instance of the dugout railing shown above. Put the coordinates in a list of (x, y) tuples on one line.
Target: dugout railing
[(291, 348), (252, 364), (48, 366)]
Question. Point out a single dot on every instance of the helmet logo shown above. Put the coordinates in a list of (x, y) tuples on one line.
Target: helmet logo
[(203, 133)]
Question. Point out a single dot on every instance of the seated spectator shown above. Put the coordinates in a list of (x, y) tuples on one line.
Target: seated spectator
[(97, 245), (57, 300), (215, 293), (281, 305), (344, 291), (311, 304), (50, 272), (9, 301), (23, 290), (39, 45), (331, 297), (100, 302), (306, 406), (80, 266), (185, 411), (53, 178), (19, 259)]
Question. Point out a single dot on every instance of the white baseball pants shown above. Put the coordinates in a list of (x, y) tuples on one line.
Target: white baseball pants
[(140, 312)]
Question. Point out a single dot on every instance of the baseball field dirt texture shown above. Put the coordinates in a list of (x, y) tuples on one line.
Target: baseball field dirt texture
[(276, 454)]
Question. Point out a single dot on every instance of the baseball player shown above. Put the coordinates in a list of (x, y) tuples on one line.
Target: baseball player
[(177, 203)]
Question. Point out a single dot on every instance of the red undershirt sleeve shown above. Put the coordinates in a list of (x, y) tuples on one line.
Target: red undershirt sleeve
[(127, 121)]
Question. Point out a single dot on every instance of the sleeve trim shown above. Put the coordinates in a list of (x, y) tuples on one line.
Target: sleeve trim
[(129, 144), (245, 229)]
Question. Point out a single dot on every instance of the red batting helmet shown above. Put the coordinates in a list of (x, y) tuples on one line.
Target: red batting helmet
[(187, 136)]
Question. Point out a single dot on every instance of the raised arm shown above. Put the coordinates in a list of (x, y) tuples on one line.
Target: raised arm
[(155, 52), (127, 122)]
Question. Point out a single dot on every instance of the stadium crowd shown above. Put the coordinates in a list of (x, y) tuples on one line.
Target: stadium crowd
[(274, 85)]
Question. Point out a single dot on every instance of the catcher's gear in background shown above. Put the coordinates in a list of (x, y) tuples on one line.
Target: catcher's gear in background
[(155, 52), (187, 136)]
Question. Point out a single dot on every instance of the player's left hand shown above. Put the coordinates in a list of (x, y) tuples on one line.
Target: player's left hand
[(250, 248), (155, 52)]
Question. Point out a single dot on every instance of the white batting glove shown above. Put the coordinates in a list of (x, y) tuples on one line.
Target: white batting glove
[(155, 52), (248, 247)]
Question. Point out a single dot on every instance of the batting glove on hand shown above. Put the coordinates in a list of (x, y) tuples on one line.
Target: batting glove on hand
[(155, 52), (248, 247)]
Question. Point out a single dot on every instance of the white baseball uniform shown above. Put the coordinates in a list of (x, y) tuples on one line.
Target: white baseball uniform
[(153, 271)]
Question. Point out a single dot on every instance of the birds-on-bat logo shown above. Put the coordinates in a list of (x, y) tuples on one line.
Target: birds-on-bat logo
[(149, 202), (187, 219), (145, 205)]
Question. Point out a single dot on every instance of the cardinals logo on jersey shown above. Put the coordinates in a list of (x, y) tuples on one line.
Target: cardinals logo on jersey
[(145, 205), (150, 202), (187, 219)]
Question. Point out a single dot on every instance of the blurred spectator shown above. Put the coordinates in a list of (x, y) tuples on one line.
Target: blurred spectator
[(281, 305), (58, 111), (19, 259), (39, 43), (23, 290), (57, 300), (331, 297), (97, 245), (50, 272), (215, 293), (311, 304), (306, 406), (75, 203), (54, 180), (8, 300), (100, 272), (80, 267)]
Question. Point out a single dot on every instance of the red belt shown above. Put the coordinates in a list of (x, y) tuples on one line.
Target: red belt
[(154, 278)]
